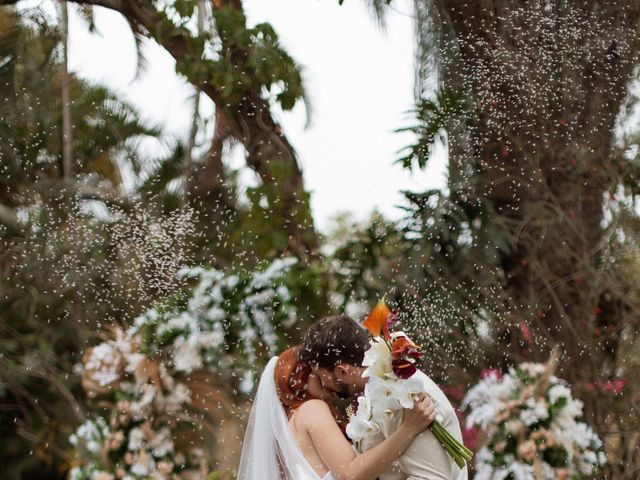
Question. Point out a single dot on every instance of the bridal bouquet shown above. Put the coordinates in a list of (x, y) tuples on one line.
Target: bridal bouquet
[(392, 386), (532, 432)]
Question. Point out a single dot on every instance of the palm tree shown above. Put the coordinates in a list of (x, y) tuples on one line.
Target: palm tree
[(45, 219)]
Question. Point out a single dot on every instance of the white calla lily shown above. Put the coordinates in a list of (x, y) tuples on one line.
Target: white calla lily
[(359, 428), (383, 399), (408, 391), (377, 360)]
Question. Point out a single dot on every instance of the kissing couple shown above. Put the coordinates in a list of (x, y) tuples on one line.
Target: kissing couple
[(297, 432)]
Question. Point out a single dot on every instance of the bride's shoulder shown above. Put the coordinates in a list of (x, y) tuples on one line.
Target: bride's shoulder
[(314, 410), (315, 405)]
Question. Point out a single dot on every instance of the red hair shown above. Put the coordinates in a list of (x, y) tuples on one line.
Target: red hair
[(292, 379)]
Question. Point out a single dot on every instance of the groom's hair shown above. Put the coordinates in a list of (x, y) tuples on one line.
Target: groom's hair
[(334, 340)]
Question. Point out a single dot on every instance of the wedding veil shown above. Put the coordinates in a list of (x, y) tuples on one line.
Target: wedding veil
[(270, 450)]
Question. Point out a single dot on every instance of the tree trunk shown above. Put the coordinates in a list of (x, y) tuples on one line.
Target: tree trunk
[(67, 129), (547, 82)]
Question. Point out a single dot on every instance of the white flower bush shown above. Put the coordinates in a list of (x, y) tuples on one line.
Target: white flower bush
[(530, 422), (223, 309), (142, 375)]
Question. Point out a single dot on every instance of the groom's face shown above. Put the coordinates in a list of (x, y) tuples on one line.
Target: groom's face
[(339, 380), (329, 380)]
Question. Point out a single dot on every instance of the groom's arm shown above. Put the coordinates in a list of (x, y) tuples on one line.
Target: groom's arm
[(426, 459), (393, 472)]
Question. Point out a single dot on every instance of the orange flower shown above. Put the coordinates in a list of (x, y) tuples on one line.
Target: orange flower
[(377, 319), (402, 345)]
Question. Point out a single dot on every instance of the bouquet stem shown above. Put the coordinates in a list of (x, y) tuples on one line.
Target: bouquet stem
[(454, 448)]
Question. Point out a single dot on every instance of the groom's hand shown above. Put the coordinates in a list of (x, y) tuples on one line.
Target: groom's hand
[(422, 415)]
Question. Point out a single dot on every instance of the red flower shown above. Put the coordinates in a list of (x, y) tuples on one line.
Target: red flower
[(391, 321), (403, 368), (402, 346), (526, 333), (616, 386), (404, 354), (470, 437), (456, 392)]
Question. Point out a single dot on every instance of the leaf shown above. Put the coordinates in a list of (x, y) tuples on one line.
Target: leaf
[(433, 117)]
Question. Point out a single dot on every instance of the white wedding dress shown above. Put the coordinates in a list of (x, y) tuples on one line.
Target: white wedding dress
[(270, 450)]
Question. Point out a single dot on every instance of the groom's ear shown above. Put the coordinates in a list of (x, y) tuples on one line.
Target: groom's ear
[(341, 370)]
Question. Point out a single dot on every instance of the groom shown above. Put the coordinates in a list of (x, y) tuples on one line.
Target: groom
[(334, 347)]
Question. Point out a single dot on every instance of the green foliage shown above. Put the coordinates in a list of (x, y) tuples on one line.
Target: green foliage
[(262, 225), (365, 259), (245, 61), (31, 117), (433, 117), (252, 60), (56, 267)]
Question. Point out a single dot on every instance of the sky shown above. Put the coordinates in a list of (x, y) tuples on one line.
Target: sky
[(359, 78)]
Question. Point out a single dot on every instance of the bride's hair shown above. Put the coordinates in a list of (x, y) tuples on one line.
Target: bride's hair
[(334, 340)]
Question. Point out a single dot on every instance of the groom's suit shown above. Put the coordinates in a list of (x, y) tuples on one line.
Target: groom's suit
[(425, 459)]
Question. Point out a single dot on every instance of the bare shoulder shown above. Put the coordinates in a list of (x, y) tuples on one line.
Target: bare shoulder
[(315, 406), (314, 412)]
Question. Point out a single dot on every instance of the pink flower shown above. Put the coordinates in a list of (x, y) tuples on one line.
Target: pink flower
[(527, 450), (526, 333), (616, 386), (500, 446), (619, 384), (491, 372), (456, 392), (470, 437)]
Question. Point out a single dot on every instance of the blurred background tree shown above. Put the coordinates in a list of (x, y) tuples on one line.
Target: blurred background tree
[(533, 244), (93, 231), (48, 219)]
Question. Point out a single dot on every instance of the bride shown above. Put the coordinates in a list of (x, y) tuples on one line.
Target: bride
[(293, 434)]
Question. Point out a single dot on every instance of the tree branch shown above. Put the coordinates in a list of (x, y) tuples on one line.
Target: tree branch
[(111, 4), (269, 152)]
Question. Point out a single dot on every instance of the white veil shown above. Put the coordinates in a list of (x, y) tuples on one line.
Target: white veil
[(270, 450)]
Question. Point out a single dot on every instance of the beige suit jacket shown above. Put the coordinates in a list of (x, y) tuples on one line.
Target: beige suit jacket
[(425, 459)]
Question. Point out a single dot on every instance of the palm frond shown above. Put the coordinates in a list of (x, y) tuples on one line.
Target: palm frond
[(162, 170), (433, 117), (378, 9), (142, 63), (435, 46)]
